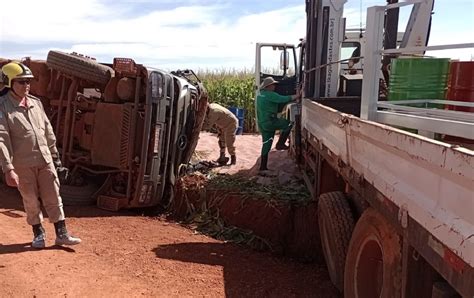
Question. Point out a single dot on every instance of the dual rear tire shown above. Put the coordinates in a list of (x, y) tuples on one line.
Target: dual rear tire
[(363, 258), (374, 259), (336, 224)]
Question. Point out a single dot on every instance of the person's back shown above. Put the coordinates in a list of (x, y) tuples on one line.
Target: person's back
[(221, 116), (226, 123), (267, 106)]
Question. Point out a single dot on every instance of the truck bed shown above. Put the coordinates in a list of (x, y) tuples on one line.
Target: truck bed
[(429, 181)]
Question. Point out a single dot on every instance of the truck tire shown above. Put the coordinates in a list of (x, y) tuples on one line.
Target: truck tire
[(336, 224), (374, 259), (78, 195), (81, 67)]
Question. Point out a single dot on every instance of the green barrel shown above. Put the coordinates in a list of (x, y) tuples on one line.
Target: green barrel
[(418, 78)]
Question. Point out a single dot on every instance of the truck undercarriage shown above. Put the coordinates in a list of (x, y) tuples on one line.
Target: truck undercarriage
[(122, 129)]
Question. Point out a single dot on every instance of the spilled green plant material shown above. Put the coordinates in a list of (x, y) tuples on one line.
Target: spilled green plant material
[(250, 188), (205, 218), (212, 225)]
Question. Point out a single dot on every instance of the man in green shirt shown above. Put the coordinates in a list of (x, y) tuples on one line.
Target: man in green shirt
[(268, 122)]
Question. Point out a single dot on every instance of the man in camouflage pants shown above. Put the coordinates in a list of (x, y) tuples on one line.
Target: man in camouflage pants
[(226, 124)]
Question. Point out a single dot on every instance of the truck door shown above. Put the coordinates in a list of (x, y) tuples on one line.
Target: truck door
[(277, 61)]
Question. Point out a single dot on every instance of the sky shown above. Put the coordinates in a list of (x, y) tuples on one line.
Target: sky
[(196, 34)]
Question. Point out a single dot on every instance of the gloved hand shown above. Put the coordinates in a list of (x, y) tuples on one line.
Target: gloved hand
[(63, 173), (57, 161)]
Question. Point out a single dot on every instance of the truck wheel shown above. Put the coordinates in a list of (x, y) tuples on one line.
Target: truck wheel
[(78, 195), (336, 223), (81, 67), (374, 259)]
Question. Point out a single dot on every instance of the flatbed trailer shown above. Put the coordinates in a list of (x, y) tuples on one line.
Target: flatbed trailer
[(409, 200), (395, 208)]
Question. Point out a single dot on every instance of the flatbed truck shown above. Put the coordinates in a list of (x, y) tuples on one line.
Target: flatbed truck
[(395, 208)]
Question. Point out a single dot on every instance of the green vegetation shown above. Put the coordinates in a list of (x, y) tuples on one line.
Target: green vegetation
[(203, 215), (232, 88), (208, 222), (294, 193)]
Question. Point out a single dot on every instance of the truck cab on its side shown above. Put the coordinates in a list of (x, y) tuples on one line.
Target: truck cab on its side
[(123, 129)]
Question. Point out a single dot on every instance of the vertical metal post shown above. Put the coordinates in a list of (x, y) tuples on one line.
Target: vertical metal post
[(258, 69), (373, 57), (68, 129), (390, 37), (60, 105)]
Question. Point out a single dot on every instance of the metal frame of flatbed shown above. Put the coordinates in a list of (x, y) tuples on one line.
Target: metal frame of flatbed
[(426, 121), (424, 187), (430, 183)]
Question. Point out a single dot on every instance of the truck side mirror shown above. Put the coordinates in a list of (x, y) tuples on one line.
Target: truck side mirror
[(284, 60)]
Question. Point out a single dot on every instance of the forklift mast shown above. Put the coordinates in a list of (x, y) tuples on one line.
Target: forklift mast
[(325, 32), (324, 35)]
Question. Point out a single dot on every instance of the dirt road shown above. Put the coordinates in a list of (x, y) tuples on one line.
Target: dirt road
[(128, 255)]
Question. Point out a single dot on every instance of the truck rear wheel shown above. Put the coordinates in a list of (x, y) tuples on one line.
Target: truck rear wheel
[(81, 67), (336, 224), (373, 264), (78, 195)]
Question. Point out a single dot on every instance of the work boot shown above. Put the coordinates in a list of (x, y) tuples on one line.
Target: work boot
[(282, 147), (62, 236), (222, 160), (263, 162), (281, 144), (233, 159), (39, 237)]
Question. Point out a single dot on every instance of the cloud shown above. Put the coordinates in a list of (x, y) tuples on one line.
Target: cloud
[(98, 29), (99, 23), (161, 33)]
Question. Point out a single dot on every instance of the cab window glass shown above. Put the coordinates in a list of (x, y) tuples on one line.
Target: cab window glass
[(271, 58), (350, 49)]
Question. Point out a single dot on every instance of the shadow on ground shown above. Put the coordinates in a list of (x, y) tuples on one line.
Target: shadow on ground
[(25, 247), (253, 275), (10, 200)]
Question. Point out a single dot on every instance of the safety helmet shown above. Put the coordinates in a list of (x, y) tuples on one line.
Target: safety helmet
[(15, 70)]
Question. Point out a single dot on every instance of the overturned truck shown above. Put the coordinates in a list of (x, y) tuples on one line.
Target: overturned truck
[(123, 129)]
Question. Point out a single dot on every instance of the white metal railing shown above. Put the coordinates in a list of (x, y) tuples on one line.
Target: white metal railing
[(397, 113), (429, 48)]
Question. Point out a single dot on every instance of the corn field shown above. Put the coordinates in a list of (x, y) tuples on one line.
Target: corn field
[(232, 88)]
